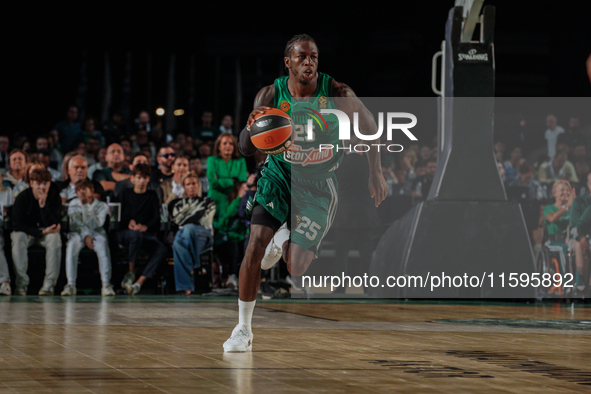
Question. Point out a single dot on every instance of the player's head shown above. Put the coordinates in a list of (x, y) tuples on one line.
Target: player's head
[(301, 58)]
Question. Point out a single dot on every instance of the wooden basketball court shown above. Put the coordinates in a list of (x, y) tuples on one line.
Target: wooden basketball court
[(149, 344)]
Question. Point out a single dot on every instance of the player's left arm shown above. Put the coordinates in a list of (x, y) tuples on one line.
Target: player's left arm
[(351, 104)]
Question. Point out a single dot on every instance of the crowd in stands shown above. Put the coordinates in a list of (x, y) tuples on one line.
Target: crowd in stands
[(547, 172), (117, 185), (199, 185)]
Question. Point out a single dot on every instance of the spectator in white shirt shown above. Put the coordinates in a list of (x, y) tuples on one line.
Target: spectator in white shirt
[(552, 134), (87, 218)]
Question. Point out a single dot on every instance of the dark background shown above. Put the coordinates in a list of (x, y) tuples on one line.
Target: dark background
[(379, 49)]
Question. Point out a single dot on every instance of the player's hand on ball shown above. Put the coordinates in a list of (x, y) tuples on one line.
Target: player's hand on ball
[(258, 110)]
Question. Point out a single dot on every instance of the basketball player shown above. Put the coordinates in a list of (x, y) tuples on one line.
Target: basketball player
[(297, 175)]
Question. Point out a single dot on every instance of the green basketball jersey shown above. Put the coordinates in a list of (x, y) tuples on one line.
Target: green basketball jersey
[(305, 156)]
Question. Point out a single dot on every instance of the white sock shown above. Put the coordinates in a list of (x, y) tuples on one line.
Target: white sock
[(245, 310)]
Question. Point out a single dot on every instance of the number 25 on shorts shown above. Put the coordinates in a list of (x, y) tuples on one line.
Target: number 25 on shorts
[(312, 227)]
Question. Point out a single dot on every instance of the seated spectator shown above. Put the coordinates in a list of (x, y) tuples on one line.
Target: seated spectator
[(188, 148), (196, 166), (165, 158), (78, 171), (422, 184), (533, 189), (6, 199), (558, 168), (142, 122), (90, 131), (226, 125), (424, 153), (512, 165), (580, 223), (502, 172), (115, 170), (101, 162), (579, 152), (25, 184), (55, 148), (87, 218), (557, 217), (572, 135), (69, 130), (114, 128), (176, 147), (391, 180), (92, 147), (36, 219), (41, 143), (206, 133), (192, 216), (138, 158), (172, 188), (126, 146), (147, 150), (140, 220), (44, 157), (159, 137), (408, 161), (223, 168), (17, 161), (4, 146), (582, 168), (139, 139)]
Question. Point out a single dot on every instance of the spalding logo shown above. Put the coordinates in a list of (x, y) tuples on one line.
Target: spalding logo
[(264, 122)]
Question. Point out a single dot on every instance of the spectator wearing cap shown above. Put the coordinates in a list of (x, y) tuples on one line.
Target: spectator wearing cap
[(36, 219)]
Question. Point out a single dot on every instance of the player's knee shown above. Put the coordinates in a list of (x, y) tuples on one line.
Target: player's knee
[(297, 263)]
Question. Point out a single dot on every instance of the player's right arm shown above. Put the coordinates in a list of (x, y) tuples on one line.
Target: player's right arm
[(262, 102)]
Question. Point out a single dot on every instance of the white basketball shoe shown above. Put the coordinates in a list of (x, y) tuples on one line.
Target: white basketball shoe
[(274, 250), (240, 340)]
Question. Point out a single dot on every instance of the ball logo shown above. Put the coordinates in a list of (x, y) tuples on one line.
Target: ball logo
[(269, 140), (264, 122)]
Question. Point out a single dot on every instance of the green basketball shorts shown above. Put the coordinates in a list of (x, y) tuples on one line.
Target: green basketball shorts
[(307, 204)]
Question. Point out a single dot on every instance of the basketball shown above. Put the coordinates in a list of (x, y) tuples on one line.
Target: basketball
[(271, 131)]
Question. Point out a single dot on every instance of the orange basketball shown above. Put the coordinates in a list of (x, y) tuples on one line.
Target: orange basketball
[(271, 131)]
